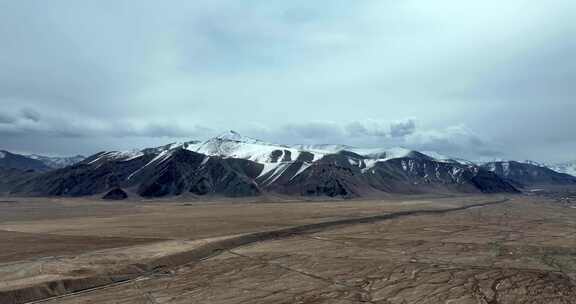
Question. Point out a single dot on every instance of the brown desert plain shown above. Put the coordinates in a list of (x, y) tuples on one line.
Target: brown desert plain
[(404, 249)]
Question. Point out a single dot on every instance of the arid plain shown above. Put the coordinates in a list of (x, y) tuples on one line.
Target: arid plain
[(453, 249)]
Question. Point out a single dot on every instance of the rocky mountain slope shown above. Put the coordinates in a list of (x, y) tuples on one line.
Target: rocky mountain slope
[(10, 178), (10, 160), (528, 174), (232, 165)]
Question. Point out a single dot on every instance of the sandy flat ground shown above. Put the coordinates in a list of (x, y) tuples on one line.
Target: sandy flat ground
[(520, 251), (192, 220)]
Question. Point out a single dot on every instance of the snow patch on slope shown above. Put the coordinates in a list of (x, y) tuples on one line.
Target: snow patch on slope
[(302, 169), (322, 149), (277, 172), (566, 168), (56, 161), (164, 155), (267, 168), (118, 155), (234, 145)]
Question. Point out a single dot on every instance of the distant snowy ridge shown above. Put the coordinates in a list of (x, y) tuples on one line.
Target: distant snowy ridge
[(566, 167), (57, 162)]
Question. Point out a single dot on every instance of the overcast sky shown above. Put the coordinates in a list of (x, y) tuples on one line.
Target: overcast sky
[(474, 79)]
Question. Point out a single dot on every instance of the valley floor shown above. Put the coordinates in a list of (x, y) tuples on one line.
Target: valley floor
[(520, 249)]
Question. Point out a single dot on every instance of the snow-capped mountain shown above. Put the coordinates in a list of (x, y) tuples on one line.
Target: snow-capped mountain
[(234, 165), (233, 145), (56, 162), (273, 157), (277, 158), (566, 168), (528, 173)]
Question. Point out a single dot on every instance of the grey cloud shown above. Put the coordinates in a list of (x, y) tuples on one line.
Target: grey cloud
[(29, 124), (358, 128), (165, 130), (369, 127), (343, 130), (6, 118), (313, 130), (455, 141), (402, 128), (142, 72), (30, 114)]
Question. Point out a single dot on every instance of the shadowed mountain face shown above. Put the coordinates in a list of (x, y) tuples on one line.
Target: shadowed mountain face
[(10, 178), (527, 174), (20, 162), (173, 172), (35, 162), (15, 169), (234, 166)]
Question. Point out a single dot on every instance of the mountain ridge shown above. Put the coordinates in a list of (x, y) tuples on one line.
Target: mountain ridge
[(523, 174), (234, 165)]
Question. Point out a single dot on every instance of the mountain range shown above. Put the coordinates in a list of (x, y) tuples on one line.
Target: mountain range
[(233, 165), (36, 162)]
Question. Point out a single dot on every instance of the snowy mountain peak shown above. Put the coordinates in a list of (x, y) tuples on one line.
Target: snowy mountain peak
[(230, 135), (233, 136)]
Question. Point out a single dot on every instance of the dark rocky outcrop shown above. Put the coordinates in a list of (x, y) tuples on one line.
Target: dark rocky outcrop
[(115, 194)]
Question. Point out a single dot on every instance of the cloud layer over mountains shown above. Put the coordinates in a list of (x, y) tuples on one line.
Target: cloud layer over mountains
[(475, 79)]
